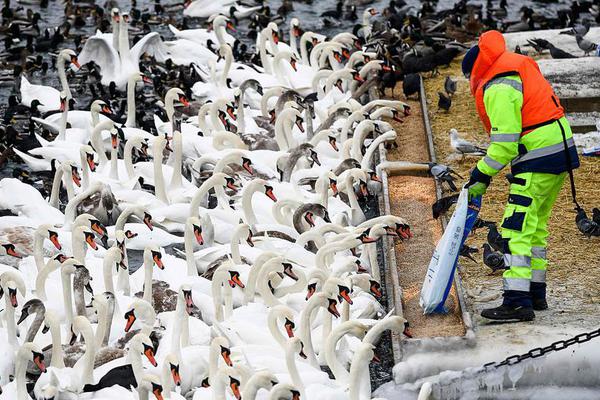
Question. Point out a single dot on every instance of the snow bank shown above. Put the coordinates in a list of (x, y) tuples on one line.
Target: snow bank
[(573, 77), (564, 42), (573, 368)]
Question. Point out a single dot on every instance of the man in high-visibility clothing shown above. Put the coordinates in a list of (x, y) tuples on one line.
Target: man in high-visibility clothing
[(527, 129)]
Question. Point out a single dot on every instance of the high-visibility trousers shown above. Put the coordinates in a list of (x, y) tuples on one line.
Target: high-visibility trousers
[(525, 225)]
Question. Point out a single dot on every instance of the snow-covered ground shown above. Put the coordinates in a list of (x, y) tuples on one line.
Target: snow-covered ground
[(573, 77), (564, 42)]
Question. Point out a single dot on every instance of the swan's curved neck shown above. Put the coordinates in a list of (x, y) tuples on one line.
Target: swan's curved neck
[(62, 76), (107, 272), (305, 331), (304, 39), (201, 194), (62, 128), (124, 40), (40, 279), (114, 163), (102, 328), (56, 182), (11, 326), (248, 193), (219, 285), (220, 34), (123, 217), (78, 292), (135, 358), (130, 122), (204, 110), (58, 360), (262, 49), (260, 261), (226, 68), (290, 362), (180, 336), (36, 324), (159, 179), (67, 298), (177, 158), (20, 371), (98, 145), (128, 159), (192, 270), (148, 266), (85, 181), (283, 132), (359, 370)]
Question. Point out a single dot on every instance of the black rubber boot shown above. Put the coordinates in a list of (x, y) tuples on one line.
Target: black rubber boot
[(538, 296), (515, 307), (506, 312)]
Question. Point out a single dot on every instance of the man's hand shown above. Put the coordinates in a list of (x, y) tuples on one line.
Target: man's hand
[(478, 183)]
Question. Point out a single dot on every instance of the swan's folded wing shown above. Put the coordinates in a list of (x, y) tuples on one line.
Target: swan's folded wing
[(151, 44), (101, 52)]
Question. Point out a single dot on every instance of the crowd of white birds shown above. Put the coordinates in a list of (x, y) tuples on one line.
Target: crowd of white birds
[(262, 190)]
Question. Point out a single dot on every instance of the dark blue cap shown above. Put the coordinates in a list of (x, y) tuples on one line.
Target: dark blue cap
[(469, 60)]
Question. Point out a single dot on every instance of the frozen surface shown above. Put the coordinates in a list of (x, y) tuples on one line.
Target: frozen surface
[(573, 77), (564, 42), (572, 373)]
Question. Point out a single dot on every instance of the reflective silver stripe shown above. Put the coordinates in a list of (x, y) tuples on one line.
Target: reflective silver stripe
[(538, 275), (493, 163), (517, 284), (504, 81), (544, 151), (515, 260), (505, 137), (538, 252)]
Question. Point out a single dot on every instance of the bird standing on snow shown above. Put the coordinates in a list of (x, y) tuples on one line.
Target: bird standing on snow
[(585, 45), (463, 146)]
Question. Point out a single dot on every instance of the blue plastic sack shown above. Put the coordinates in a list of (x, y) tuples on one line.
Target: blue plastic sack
[(442, 266)]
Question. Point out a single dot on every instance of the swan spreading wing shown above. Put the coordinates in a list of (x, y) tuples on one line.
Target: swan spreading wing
[(151, 44), (100, 51)]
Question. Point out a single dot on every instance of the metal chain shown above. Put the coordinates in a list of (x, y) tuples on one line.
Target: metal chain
[(531, 354), (541, 351)]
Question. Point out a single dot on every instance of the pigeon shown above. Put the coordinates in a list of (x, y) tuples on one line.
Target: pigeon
[(585, 225), (585, 45), (444, 102), (596, 215), (444, 174), (495, 239), (443, 205), (580, 30), (493, 259), (481, 223), (466, 251), (555, 52), (411, 85), (463, 146), (450, 86)]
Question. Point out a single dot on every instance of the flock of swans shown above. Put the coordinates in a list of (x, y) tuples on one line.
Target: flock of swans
[(272, 268)]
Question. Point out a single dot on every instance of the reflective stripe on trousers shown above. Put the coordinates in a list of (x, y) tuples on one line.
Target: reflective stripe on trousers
[(520, 284)]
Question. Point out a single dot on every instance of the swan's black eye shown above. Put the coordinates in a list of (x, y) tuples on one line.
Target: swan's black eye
[(197, 229), (157, 254)]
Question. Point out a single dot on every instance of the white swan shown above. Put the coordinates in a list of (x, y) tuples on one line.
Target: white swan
[(118, 64), (49, 97)]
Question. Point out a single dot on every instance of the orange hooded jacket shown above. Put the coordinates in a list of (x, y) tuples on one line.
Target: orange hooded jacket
[(540, 104)]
